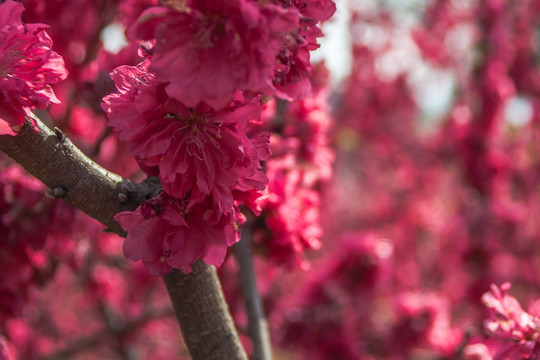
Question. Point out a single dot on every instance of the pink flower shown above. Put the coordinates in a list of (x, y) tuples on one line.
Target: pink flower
[(291, 213), (212, 48), (197, 151), (424, 318), (167, 233), (27, 68), (511, 323), (306, 125), (293, 67), (302, 161)]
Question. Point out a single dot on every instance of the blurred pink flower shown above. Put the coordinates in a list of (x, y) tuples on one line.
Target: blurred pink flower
[(291, 212), (7, 352), (27, 68), (510, 323)]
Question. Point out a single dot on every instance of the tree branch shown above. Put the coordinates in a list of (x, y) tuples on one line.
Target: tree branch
[(54, 160), (258, 327), (106, 333), (197, 297), (219, 340)]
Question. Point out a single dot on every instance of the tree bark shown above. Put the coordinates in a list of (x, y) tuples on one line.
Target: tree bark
[(200, 292), (55, 161), (197, 297)]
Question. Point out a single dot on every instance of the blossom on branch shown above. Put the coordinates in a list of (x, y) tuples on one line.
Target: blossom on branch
[(167, 233), (209, 49), (195, 151), (28, 67)]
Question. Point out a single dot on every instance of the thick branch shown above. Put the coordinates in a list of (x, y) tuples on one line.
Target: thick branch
[(197, 297), (54, 160), (200, 292), (258, 327)]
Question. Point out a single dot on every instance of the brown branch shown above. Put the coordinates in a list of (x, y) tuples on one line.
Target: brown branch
[(219, 340), (197, 297), (54, 160)]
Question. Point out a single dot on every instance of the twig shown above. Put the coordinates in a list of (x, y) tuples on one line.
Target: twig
[(258, 327), (105, 333)]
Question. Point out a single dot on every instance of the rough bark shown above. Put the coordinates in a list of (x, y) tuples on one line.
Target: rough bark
[(200, 293), (54, 160), (197, 297)]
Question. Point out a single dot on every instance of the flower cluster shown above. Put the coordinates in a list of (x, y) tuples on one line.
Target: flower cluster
[(190, 113), (203, 157), (197, 151), (210, 49), (184, 234), (28, 67), (301, 162)]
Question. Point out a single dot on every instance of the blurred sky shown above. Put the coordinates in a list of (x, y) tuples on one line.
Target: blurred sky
[(433, 88)]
